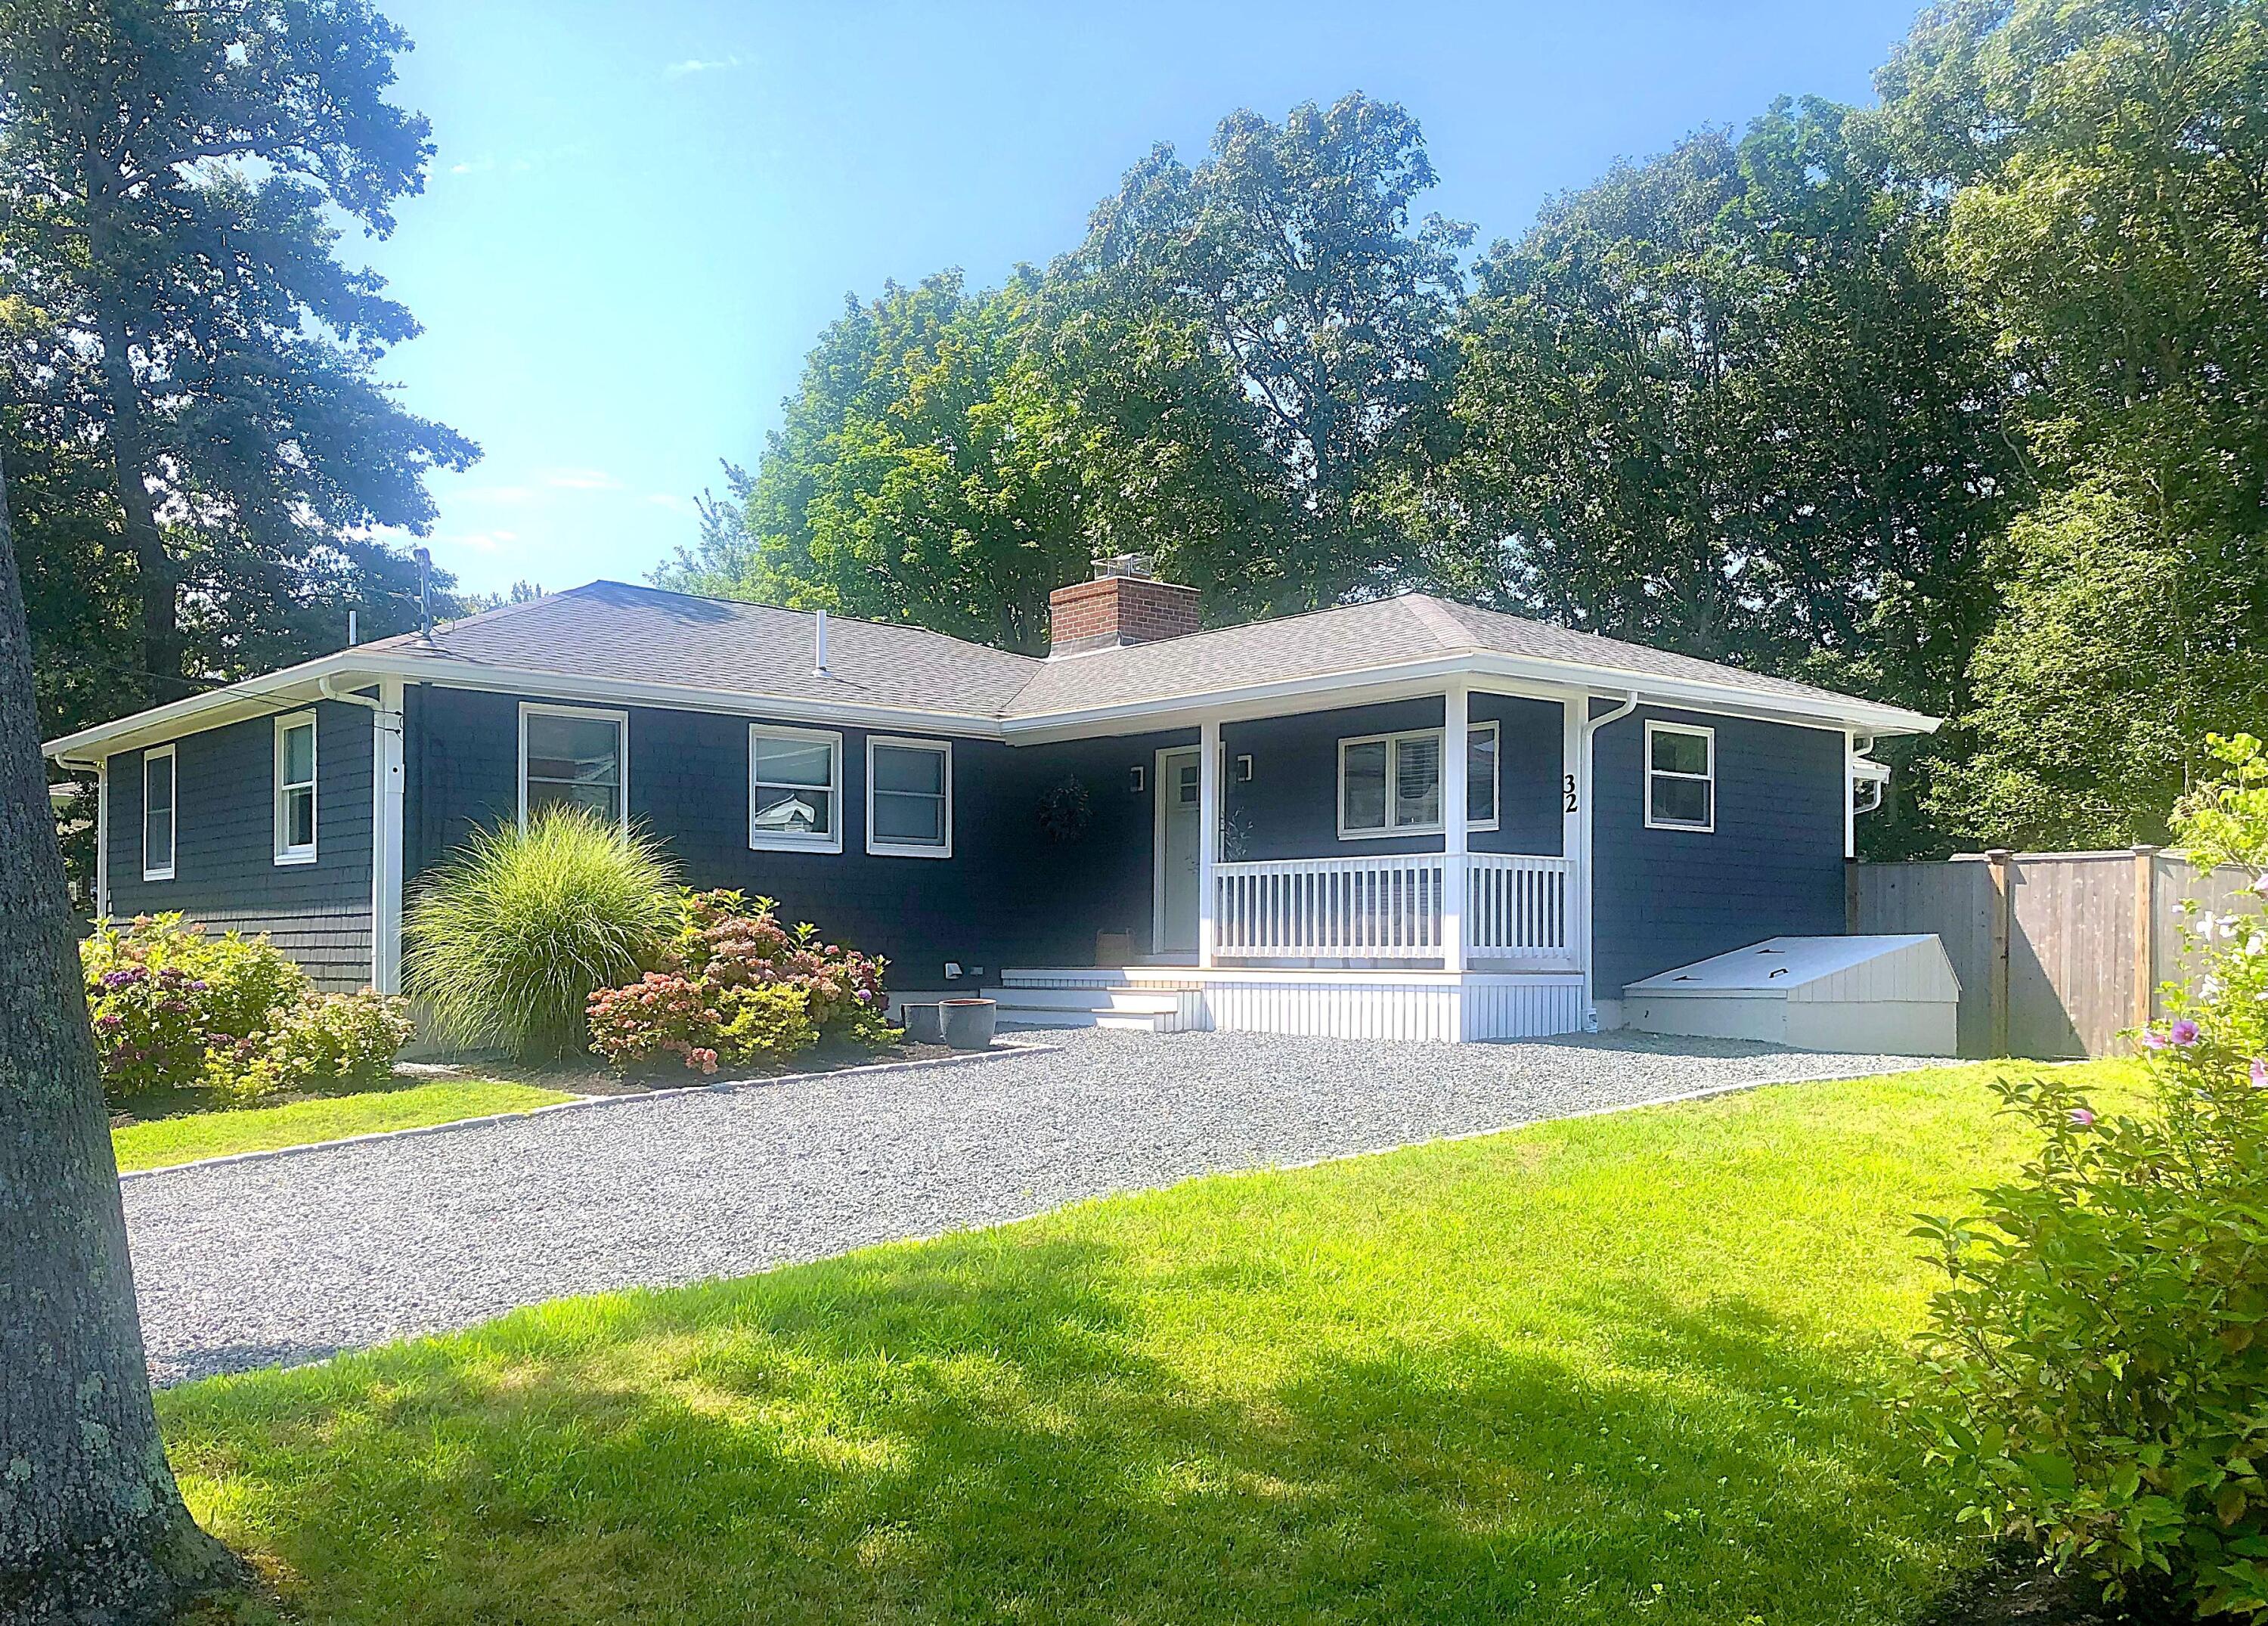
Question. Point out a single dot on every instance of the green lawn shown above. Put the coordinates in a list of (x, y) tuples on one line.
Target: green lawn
[(1624, 1369), (162, 1141)]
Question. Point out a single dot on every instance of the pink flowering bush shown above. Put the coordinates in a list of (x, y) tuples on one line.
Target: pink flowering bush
[(2100, 1353), (736, 988)]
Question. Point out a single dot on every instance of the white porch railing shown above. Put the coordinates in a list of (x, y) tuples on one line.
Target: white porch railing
[(1390, 908)]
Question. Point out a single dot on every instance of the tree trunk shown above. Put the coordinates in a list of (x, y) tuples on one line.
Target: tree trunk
[(91, 1527), (130, 454)]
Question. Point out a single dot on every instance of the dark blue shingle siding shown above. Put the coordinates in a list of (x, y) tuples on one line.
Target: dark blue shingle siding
[(1773, 866), (224, 868)]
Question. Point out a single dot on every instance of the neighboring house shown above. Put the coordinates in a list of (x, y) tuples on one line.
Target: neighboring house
[(1601, 812)]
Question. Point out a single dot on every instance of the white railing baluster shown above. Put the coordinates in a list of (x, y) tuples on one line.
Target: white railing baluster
[(1390, 909)]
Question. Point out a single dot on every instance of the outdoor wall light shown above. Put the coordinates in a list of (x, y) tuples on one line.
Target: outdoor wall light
[(1244, 769), (1135, 779)]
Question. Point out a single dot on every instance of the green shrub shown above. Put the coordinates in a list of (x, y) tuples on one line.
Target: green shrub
[(735, 988), (174, 1008), (330, 1039), (2101, 1352), (506, 939)]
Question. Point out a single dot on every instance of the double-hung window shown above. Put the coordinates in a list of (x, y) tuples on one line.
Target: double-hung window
[(795, 789), (909, 797), (1390, 784), (158, 813), (571, 756), (1681, 778), (295, 788)]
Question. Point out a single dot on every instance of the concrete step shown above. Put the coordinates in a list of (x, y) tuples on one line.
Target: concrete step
[(1012, 1016), (1130, 1000)]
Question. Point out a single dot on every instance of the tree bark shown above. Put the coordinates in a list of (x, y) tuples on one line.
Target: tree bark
[(92, 1529)]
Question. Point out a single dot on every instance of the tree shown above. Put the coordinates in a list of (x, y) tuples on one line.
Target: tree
[(2101, 171), (1293, 248), (91, 1526), (166, 178), (1720, 401)]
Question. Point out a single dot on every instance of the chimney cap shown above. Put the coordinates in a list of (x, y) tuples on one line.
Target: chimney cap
[(1139, 566)]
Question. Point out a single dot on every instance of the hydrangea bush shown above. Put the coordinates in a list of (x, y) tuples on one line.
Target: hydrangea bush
[(736, 988), (2101, 1350), (175, 1008)]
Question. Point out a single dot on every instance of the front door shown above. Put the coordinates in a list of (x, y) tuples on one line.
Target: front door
[(1175, 928)]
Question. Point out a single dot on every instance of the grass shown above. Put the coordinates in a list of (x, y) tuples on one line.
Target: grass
[(157, 1142), (1624, 1369)]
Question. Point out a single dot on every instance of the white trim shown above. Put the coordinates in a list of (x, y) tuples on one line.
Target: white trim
[(1655, 725), (388, 847), (102, 838), (1161, 782), (285, 852), (1586, 734), (879, 849), (1392, 758), (151, 871), (622, 721), (769, 841), (1208, 832), (1553, 679)]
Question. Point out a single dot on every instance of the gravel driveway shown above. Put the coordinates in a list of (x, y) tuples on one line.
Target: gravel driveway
[(292, 1258)]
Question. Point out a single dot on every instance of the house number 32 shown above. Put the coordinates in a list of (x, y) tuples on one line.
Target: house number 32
[(1570, 793)]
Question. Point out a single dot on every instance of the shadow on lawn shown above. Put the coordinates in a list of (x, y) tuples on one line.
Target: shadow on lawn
[(979, 1431)]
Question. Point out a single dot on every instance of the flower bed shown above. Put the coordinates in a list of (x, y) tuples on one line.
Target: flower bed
[(174, 1008)]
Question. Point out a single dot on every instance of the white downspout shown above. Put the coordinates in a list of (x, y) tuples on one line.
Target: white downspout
[(1586, 751)]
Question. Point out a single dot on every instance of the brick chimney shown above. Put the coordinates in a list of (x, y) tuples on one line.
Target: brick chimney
[(1125, 604)]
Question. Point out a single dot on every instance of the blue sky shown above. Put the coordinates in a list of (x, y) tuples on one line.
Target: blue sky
[(641, 214)]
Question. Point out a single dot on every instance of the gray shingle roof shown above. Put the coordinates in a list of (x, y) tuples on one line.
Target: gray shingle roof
[(613, 630)]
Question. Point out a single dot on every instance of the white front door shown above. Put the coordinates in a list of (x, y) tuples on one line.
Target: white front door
[(1175, 928)]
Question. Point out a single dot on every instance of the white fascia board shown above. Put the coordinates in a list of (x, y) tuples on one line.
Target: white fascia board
[(258, 696), (1543, 679)]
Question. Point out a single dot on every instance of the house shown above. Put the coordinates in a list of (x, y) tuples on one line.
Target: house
[(1407, 817)]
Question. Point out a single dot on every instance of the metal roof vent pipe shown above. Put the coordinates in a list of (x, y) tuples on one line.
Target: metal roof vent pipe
[(819, 646)]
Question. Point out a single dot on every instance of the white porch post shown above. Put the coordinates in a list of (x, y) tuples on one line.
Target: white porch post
[(1208, 833), (1455, 708)]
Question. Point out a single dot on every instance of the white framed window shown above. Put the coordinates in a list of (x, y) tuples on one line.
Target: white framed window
[(574, 756), (795, 789), (1390, 784), (1681, 778), (160, 812), (909, 797), (295, 788)]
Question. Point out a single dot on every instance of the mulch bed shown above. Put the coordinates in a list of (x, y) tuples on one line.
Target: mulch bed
[(2014, 1590)]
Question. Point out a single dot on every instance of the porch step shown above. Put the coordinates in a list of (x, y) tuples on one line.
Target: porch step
[(1093, 1004)]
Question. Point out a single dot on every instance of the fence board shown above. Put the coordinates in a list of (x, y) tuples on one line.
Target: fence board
[(2081, 939)]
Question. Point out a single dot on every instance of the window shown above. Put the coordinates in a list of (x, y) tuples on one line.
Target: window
[(795, 789), (1681, 778), (909, 797), (157, 814), (573, 758), (295, 789), (1390, 784)]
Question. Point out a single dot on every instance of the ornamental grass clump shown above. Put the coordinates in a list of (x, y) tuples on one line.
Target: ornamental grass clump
[(506, 939), (2100, 1353)]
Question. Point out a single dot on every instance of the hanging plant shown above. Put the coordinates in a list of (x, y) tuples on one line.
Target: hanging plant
[(1065, 811)]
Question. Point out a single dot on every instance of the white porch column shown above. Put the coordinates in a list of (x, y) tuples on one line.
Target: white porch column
[(1455, 711), (1208, 834)]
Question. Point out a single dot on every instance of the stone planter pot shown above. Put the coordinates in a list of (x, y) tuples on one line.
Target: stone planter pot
[(968, 1023), (925, 1023)]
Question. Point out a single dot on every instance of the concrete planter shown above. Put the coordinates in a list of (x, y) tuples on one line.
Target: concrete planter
[(969, 1023)]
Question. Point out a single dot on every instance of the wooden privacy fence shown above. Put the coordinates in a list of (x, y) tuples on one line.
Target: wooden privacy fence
[(2058, 953)]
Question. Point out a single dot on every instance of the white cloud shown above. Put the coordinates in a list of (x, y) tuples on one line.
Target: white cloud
[(582, 480), (697, 64), (505, 496), (474, 166), (674, 502)]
